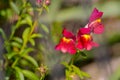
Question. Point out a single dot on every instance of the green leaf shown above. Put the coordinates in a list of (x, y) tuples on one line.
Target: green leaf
[(83, 54), (19, 74), (14, 7), (3, 13), (27, 50), (46, 8), (16, 44), (77, 71), (32, 41), (26, 20), (30, 75), (8, 72), (68, 73), (65, 64), (85, 74), (31, 59), (44, 28), (24, 62), (23, 22), (69, 67), (29, 20), (3, 34), (26, 34), (17, 39), (35, 35), (10, 55)]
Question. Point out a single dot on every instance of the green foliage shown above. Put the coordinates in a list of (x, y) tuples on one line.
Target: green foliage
[(3, 34), (36, 36), (19, 74), (18, 39), (16, 44), (30, 75), (19, 64), (46, 8), (31, 60), (14, 7), (26, 20), (72, 70), (10, 55), (25, 34), (28, 50)]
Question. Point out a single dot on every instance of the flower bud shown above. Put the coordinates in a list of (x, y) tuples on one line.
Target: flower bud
[(47, 2), (39, 1)]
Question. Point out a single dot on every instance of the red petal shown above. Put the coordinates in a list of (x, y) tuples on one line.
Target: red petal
[(66, 46), (94, 44), (98, 29), (88, 46), (57, 47), (67, 34), (84, 31), (79, 45), (71, 47), (72, 50), (96, 14), (64, 50)]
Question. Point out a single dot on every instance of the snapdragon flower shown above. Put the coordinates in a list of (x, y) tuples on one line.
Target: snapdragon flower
[(83, 40)]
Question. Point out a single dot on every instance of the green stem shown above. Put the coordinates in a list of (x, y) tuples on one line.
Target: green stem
[(74, 57), (72, 60), (15, 62), (14, 29), (18, 22), (42, 77)]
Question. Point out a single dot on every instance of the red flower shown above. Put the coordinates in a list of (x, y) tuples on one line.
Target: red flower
[(68, 34), (95, 22), (85, 41), (95, 15), (67, 43)]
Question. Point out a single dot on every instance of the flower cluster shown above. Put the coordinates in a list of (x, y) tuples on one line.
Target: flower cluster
[(47, 2), (83, 40)]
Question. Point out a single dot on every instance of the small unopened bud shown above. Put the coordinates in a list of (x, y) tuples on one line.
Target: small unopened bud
[(42, 69), (39, 1), (47, 2)]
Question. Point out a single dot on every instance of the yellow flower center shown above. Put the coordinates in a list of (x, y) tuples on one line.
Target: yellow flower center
[(66, 39), (98, 20), (87, 37)]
